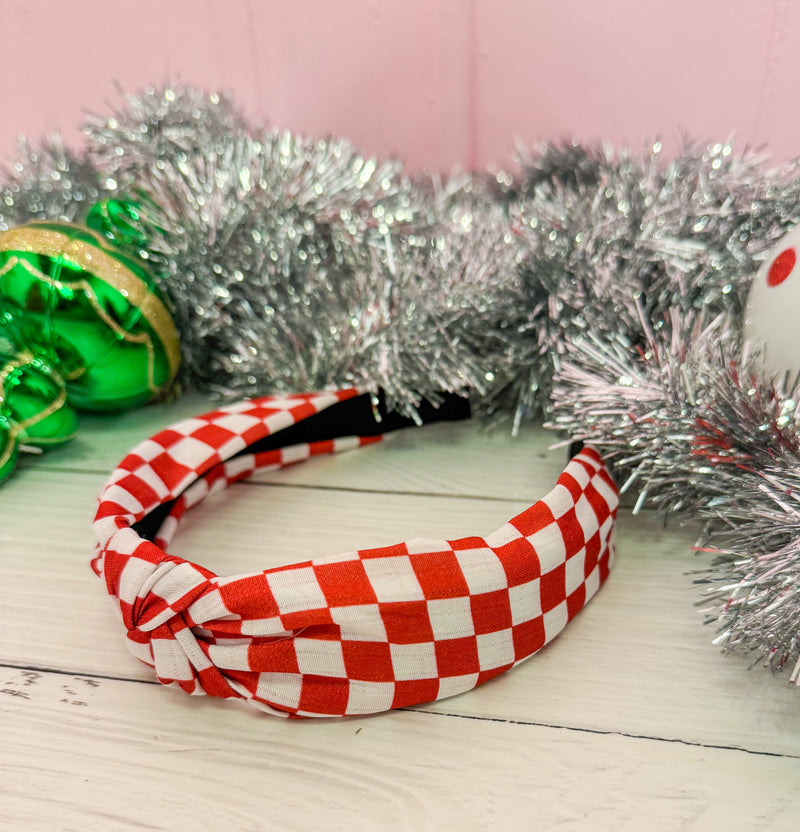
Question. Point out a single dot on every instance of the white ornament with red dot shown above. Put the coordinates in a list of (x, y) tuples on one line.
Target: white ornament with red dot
[(772, 319)]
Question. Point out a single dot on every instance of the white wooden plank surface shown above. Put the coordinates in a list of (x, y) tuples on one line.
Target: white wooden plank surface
[(630, 713), (115, 755)]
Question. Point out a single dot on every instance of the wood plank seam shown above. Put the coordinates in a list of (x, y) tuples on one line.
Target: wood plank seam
[(18, 693)]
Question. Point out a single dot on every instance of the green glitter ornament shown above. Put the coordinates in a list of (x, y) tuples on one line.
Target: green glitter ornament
[(88, 309), (33, 408)]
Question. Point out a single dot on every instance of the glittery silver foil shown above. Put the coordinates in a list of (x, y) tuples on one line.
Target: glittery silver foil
[(294, 263), (47, 182), (615, 238), (696, 430), (644, 266)]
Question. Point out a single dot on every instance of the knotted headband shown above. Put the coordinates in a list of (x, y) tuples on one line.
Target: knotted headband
[(355, 633)]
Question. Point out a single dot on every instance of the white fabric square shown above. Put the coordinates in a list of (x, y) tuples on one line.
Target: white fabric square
[(230, 655), (393, 579), (607, 529), (148, 450), (549, 545), (231, 447), (236, 422), (192, 650), (495, 649), (190, 452), (586, 517), (278, 421), (606, 492), (208, 607), (413, 661), (296, 590), (294, 453), (280, 688), (126, 541), (123, 497), (140, 651), (133, 575), (346, 443), (592, 583), (172, 581), (453, 685), (555, 620), (195, 493), (168, 529), (319, 657), (579, 474), (119, 474), (421, 545), (149, 476), (559, 501), (342, 556), (170, 660), (525, 602), (188, 426), (360, 623), (239, 407), (288, 402), (450, 618), (573, 571), (264, 627), (482, 570), (369, 697), (505, 534), (235, 466)]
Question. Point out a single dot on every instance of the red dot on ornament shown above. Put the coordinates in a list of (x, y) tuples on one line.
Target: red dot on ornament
[(781, 267)]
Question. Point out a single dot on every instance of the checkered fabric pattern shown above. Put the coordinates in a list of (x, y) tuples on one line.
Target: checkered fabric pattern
[(358, 632)]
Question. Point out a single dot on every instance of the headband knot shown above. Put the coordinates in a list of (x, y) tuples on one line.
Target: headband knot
[(160, 601)]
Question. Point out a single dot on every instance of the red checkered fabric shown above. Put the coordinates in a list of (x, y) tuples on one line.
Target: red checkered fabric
[(356, 633)]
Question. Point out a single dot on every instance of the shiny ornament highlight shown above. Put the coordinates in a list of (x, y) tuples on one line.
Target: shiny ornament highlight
[(33, 408), (70, 297)]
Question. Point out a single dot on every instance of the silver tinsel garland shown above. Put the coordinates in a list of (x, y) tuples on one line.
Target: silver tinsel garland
[(602, 289)]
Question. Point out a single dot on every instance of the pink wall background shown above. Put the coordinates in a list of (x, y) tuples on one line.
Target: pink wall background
[(437, 82)]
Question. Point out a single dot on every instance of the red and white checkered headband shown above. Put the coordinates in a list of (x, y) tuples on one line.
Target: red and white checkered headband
[(355, 633)]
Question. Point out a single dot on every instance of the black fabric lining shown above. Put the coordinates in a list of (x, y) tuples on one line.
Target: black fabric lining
[(352, 417), (575, 448)]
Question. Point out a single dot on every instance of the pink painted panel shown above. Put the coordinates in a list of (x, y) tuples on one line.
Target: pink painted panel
[(626, 71), (776, 119), (440, 83), (391, 76)]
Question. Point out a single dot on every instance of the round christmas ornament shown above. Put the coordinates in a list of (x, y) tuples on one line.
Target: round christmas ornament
[(33, 408), (90, 310), (770, 321)]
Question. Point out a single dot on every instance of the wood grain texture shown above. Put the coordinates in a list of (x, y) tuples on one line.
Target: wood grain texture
[(114, 755), (630, 713)]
